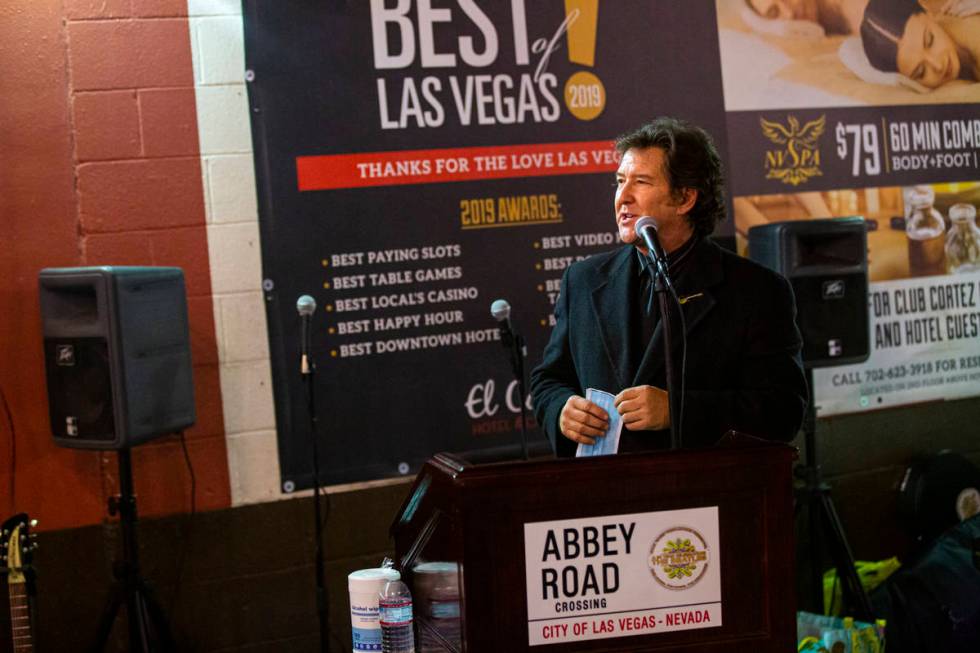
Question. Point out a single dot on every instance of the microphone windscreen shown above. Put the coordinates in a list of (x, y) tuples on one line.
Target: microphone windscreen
[(643, 223), (500, 309), (305, 305)]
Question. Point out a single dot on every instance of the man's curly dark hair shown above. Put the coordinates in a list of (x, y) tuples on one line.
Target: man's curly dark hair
[(691, 161)]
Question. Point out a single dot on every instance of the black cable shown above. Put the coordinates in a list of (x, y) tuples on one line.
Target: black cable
[(13, 448), (331, 630), (190, 471), (189, 524), (326, 506)]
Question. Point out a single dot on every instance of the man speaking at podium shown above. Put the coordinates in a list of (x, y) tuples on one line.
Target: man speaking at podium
[(743, 347)]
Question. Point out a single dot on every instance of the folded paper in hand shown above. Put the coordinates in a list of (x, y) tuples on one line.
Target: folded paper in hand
[(610, 443)]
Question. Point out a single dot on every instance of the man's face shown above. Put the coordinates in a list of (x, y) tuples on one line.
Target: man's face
[(926, 53), (642, 189), (786, 9)]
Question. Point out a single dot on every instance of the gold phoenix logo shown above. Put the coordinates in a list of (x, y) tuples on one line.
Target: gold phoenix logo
[(799, 159)]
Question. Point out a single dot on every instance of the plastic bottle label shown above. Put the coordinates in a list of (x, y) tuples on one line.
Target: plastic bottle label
[(395, 613)]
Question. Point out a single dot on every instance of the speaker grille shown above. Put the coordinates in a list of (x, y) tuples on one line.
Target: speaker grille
[(79, 390), (826, 263), (832, 313)]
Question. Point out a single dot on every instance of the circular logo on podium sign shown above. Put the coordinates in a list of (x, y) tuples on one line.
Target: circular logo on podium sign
[(678, 558)]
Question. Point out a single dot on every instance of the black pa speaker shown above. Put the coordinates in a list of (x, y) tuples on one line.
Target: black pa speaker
[(826, 262), (117, 355)]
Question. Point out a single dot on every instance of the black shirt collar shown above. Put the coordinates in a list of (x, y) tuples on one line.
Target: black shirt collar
[(675, 259)]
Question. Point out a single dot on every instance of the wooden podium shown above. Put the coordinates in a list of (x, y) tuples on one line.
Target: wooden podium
[(469, 517)]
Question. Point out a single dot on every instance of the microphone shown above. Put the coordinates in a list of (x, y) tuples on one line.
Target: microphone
[(646, 229), (500, 310), (305, 306)]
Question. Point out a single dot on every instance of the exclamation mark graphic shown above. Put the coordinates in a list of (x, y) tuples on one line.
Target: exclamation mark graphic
[(582, 31), (585, 96)]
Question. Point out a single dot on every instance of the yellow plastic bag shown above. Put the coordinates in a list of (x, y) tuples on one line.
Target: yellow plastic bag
[(872, 574)]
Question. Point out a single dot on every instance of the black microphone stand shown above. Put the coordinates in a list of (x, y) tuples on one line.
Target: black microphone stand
[(517, 350), (148, 627), (823, 522), (661, 283), (308, 371)]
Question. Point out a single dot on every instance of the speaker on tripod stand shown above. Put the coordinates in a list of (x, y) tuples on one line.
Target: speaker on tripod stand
[(826, 264), (118, 366)]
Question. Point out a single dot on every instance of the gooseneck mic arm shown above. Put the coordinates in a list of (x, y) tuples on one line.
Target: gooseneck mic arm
[(646, 229), (500, 310)]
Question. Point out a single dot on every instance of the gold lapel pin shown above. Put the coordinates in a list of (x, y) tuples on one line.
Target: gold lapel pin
[(684, 300)]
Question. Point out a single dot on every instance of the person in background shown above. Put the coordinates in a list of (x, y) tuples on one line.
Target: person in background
[(931, 42)]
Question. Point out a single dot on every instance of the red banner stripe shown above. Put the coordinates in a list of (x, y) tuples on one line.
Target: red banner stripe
[(366, 169)]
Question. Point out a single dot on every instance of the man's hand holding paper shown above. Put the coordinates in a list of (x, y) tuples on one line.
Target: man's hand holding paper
[(605, 442)]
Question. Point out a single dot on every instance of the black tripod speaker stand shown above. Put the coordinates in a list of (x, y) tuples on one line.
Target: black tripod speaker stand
[(825, 528), (148, 627)]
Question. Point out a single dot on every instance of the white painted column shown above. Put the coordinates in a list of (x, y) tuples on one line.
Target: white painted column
[(218, 49)]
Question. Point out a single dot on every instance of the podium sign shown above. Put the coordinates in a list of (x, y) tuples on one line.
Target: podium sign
[(634, 552), (622, 575)]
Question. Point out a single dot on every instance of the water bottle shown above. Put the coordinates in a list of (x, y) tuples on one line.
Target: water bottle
[(395, 615)]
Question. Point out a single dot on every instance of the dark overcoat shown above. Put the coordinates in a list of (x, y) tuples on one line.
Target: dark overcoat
[(743, 367)]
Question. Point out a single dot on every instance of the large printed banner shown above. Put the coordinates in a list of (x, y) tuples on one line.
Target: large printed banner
[(418, 160), (924, 339), (785, 150), (816, 131)]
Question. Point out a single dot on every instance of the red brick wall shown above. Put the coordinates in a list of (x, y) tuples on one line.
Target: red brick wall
[(101, 167)]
